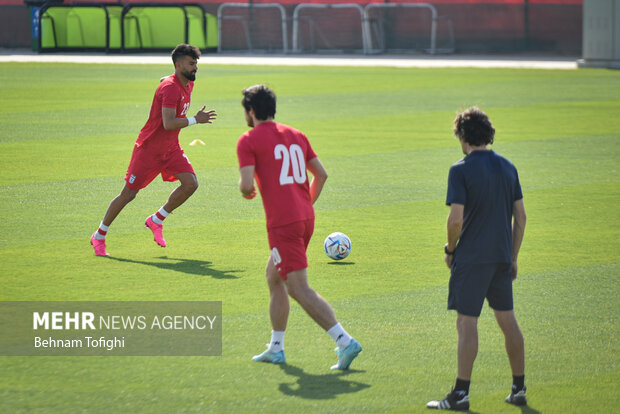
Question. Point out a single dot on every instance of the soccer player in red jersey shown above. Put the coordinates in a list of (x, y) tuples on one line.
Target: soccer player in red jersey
[(157, 149), (279, 156)]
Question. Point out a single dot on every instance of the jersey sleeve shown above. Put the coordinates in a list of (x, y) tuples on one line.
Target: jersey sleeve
[(244, 153), (457, 193), (518, 194), (169, 95), (310, 154)]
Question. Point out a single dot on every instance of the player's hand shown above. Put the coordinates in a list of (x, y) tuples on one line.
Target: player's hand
[(514, 270), (448, 259), (207, 117), (251, 195)]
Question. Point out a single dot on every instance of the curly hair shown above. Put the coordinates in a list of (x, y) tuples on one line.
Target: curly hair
[(474, 127), (185, 50), (261, 99)]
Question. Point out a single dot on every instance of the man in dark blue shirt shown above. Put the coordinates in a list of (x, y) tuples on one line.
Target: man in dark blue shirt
[(485, 230)]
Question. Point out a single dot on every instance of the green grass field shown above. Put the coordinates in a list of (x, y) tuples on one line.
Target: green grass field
[(384, 135)]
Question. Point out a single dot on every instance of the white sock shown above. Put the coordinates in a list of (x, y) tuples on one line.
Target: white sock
[(277, 341), (339, 335), (160, 216), (101, 232)]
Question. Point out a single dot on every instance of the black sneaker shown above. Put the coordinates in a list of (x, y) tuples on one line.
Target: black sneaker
[(456, 400), (517, 398)]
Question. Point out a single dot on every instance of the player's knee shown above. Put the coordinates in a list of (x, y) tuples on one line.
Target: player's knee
[(273, 279), (514, 334), (298, 292), (466, 324), (294, 293), (127, 195), (191, 185)]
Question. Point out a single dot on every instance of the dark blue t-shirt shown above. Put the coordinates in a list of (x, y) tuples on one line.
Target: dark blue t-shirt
[(487, 184)]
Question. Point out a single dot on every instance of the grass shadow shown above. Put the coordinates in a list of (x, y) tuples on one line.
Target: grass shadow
[(189, 266), (318, 387), (526, 409), (341, 263)]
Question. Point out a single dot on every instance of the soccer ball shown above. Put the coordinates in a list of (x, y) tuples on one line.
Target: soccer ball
[(337, 246)]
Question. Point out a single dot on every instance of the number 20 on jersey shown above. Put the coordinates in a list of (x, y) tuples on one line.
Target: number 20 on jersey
[(292, 161)]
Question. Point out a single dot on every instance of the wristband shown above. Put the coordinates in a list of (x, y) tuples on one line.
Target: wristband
[(191, 121), (448, 252)]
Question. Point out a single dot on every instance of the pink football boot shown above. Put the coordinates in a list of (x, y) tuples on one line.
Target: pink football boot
[(99, 246), (157, 231)]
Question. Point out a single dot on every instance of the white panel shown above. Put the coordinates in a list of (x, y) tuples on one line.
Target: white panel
[(598, 31), (616, 29)]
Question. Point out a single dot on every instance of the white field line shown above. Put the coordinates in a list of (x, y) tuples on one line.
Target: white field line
[(397, 62)]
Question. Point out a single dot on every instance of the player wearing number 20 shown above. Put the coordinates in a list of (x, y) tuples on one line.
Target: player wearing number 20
[(279, 157)]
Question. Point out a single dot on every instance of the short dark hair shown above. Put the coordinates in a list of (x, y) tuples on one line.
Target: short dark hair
[(474, 127), (261, 99), (185, 50)]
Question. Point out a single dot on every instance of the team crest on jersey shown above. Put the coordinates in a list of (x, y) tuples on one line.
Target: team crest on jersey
[(132, 178)]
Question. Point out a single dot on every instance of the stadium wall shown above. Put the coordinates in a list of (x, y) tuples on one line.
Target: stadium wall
[(479, 26), (15, 26)]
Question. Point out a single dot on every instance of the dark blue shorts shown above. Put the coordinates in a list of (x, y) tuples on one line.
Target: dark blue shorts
[(471, 283)]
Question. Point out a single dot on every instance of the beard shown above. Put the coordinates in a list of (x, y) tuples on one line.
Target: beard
[(190, 75)]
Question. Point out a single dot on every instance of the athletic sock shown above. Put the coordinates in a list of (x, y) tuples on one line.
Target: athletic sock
[(339, 335), (462, 385), (277, 341), (101, 232), (518, 383), (160, 216)]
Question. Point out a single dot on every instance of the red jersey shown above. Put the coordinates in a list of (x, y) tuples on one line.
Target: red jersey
[(170, 93), (279, 155)]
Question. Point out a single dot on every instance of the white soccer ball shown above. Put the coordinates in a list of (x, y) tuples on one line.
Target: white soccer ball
[(337, 246)]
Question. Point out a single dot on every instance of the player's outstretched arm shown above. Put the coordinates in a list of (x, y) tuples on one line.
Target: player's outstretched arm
[(170, 120), (319, 176)]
